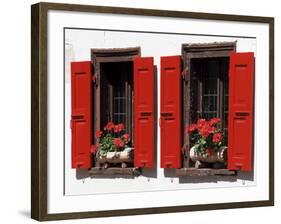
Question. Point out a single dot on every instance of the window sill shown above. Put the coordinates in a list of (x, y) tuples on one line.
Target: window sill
[(115, 171), (204, 172)]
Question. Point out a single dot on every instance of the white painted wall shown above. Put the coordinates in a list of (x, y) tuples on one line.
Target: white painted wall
[(77, 45)]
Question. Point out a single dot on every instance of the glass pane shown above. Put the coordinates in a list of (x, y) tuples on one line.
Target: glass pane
[(210, 88), (225, 76), (195, 80), (119, 103), (116, 93)]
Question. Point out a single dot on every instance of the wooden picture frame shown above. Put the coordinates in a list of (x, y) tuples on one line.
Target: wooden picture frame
[(39, 109)]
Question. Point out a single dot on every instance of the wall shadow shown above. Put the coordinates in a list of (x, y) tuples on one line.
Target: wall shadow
[(169, 172), (243, 175), (25, 213), (206, 179), (149, 172), (114, 176), (82, 174)]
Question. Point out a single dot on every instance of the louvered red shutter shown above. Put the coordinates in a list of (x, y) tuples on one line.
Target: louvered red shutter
[(81, 114), (144, 113), (241, 111), (170, 120)]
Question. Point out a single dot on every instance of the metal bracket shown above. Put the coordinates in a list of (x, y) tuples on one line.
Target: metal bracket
[(95, 79), (184, 74)]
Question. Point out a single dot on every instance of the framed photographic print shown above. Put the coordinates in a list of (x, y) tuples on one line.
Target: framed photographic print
[(139, 111)]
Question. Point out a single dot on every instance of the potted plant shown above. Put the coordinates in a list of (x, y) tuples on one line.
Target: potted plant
[(113, 146), (208, 142)]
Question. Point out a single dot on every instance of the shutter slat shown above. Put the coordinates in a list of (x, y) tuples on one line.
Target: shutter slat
[(170, 120), (144, 113), (81, 114), (241, 111)]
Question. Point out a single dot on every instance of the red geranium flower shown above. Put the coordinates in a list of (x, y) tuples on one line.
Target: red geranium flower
[(217, 137), (94, 149), (98, 133), (191, 128), (201, 123), (118, 143), (109, 126), (214, 121), (126, 137), (206, 130), (118, 127)]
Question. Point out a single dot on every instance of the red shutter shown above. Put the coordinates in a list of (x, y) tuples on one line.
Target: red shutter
[(170, 120), (81, 114), (241, 111), (144, 113)]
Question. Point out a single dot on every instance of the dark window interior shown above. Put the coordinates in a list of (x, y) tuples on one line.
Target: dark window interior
[(209, 89), (117, 94)]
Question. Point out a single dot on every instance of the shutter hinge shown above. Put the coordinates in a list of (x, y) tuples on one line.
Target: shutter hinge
[(184, 74), (95, 78)]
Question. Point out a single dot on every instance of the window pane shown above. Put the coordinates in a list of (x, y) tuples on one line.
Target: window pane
[(195, 83), (119, 102), (116, 105), (210, 88), (225, 77)]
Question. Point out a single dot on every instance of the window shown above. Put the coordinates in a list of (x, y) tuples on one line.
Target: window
[(206, 87), (209, 89), (206, 81), (123, 92), (113, 92), (117, 94)]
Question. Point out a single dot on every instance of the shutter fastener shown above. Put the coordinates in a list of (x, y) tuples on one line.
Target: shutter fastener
[(184, 74)]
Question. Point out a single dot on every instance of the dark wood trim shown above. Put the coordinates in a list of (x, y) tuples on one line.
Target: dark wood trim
[(199, 50), (115, 171), (204, 172), (115, 52), (155, 12), (209, 47), (35, 166), (271, 112), (39, 110), (101, 55), (161, 210)]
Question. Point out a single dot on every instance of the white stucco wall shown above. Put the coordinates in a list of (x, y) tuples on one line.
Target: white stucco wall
[(78, 43)]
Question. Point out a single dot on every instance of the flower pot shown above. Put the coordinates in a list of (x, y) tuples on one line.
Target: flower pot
[(122, 157), (219, 156)]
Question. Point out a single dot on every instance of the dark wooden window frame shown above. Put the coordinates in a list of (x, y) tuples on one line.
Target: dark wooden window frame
[(199, 81), (103, 55), (189, 52)]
